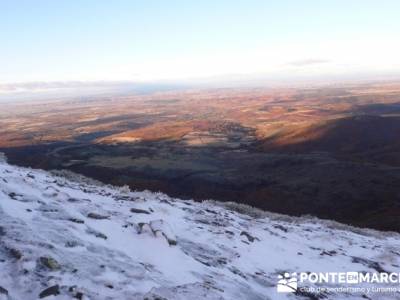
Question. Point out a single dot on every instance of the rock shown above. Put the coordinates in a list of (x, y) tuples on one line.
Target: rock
[(101, 235), (50, 291), (249, 237), (50, 192), (71, 244), (3, 291), (202, 221), (123, 198), (134, 225), (97, 216), (46, 209), (160, 226), (72, 288), (368, 263), (97, 234), (49, 263), (329, 253), (73, 200), (144, 228), (211, 211), (236, 271), (139, 211), (13, 196), (76, 220), (15, 253), (153, 297), (280, 227), (166, 202)]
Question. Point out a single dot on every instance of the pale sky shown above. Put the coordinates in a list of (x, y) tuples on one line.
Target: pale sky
[(90, 40)]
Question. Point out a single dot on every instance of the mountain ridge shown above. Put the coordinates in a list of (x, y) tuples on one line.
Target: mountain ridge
[(64, 236)]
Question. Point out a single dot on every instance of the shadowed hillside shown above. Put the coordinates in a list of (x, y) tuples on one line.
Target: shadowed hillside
[(363, 137)]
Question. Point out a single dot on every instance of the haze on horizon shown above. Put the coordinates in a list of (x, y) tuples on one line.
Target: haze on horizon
[(177, 40)]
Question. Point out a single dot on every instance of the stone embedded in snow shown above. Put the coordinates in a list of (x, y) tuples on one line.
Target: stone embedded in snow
[(139, 211), (163, 228), (166, 202), (96, 233), (15, 253), (97, 216), (3, 291), (369, 263), (249, 237), (76, 220), (144, 228), (280, 227), (72, 244), (50, 291), (50, 192), (49, 263), (14, 196), (158, 228)]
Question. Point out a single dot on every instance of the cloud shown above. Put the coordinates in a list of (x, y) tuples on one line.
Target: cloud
[(39, 85), (307, 62)]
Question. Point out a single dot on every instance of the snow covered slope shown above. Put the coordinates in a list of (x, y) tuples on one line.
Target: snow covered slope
[(79, 239)]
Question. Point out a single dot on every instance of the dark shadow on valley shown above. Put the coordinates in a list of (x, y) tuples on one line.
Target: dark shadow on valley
[(350, 173)]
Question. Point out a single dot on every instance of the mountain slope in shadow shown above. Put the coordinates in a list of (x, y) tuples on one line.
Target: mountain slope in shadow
[(369, 138)]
